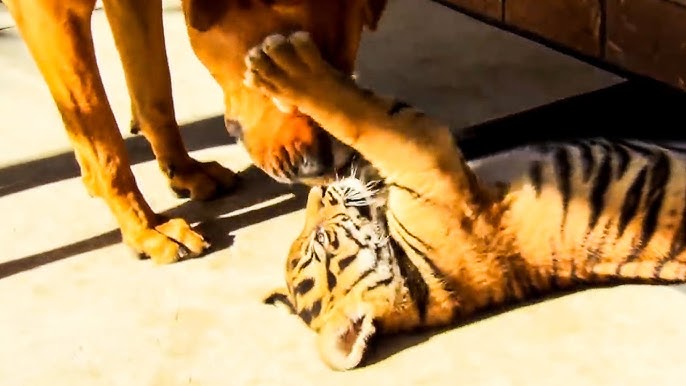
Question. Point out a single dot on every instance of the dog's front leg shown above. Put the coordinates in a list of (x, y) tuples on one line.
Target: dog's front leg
[(58, 35), (139, 37)]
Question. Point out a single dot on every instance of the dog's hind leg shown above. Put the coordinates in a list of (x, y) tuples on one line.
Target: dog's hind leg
[(58, 35), (139, 37)]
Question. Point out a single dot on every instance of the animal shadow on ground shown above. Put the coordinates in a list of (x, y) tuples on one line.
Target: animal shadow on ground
[(255, 187), (384, 347)]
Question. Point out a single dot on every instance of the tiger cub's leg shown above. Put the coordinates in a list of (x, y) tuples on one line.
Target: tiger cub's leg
[(409, 148)]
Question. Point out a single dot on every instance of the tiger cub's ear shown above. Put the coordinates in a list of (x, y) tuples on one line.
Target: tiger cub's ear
[(344, 339), (280, 297)]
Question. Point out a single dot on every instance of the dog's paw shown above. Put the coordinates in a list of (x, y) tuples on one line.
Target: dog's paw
[(199, 180), (171, 240)]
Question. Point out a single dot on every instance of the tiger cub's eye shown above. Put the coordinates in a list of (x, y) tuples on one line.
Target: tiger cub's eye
[(321, 237)]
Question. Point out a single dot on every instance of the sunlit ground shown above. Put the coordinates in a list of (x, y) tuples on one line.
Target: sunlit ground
[(77, 309)]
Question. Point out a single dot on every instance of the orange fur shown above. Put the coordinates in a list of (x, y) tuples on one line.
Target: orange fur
[(439, 239), (57, 33)]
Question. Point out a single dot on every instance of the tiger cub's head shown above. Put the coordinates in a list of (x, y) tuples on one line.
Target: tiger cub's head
[(341, 278)]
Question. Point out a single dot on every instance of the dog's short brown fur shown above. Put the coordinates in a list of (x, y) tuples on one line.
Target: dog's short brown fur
[(285, 145)]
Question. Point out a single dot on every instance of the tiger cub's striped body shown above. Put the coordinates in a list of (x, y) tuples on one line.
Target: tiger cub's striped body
[(591, 211), (418, 237)]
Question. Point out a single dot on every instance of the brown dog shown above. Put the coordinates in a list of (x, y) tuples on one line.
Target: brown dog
[(288, 146)]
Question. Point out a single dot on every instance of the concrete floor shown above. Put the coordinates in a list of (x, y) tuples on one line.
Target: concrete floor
[(77, 309)]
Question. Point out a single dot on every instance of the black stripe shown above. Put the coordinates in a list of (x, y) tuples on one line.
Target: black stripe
[(306, 263), (345, 262), (602, 144), (679, 238), (555, 266), (674, 149), (316, 308), (410, 191), (593, 255), (677, 246), (364, 211), (587, 160), (315, 255), (380, 283), (520, 275), (638, 148), (537, 284), (659, 176), (414, 281), (331, 280), (466, 224), (331, 199), (352, 237), (536, 176), (510, 281), (330, 277), (623, 159), (308, 314), (472, 186), (435, 271), (573, 277), (304, 286), (404, 233), (409, 234), (333, 239), (657, 272), (280, 298), (397, 107), (632, 199), (338, 216), (359, 279), (564, 174), (600, 185)]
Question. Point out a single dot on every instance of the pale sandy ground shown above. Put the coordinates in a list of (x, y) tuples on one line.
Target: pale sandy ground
[(77, 309)]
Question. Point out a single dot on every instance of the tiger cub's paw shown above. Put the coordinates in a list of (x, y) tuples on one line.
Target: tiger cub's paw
[(287, 69)]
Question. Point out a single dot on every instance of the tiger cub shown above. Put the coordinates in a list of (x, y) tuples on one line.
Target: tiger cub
[(416, 237)]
